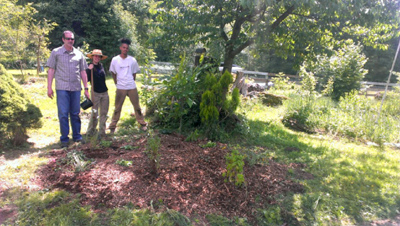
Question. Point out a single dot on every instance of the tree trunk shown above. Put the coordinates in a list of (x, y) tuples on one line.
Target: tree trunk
[(38, 57), (22, 71), (228, 60)]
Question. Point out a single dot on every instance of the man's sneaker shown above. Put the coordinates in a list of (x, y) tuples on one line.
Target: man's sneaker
[(82, 141), (64, 145)]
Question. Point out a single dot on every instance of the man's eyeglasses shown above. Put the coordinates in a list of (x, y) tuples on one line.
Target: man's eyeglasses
[(69, 39)]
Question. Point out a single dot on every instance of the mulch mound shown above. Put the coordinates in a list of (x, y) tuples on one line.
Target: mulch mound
[(189, 179)]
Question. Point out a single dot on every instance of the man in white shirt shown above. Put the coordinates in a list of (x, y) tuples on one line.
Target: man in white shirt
[(123, 69)]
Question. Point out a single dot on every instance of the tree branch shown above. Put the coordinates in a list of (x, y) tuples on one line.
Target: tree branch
[(282, 17), (243, 46), (222, 26)]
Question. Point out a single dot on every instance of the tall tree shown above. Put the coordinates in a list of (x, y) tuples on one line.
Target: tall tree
[(289, 27), (15, 37), (97, 24), (39, 34)]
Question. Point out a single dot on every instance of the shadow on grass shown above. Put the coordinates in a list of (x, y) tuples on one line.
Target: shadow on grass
[(352, 184)]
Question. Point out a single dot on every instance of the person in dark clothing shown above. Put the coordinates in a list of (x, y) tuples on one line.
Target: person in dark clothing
[(100, 97)]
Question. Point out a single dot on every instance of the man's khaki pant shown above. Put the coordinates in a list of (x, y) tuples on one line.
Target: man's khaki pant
[(119, 101), (103, 101)]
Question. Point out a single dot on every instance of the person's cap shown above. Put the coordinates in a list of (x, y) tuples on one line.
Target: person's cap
[(96, 52)]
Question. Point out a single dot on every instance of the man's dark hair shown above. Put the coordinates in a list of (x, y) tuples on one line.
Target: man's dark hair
[(67, 31), (125, 41)]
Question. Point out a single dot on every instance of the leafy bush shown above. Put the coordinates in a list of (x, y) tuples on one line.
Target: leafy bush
[(234, 168), (281, 82), (344, 69), (17, 114), (194, 98)]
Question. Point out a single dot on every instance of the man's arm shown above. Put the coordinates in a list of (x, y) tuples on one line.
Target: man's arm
[(134, 76), (84, 81), (114, 76), (50, 76)]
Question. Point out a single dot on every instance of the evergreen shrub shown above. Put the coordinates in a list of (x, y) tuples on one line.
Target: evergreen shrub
[(17, 113)]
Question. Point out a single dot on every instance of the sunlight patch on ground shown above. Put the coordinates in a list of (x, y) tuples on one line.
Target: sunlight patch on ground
[(18, 172)]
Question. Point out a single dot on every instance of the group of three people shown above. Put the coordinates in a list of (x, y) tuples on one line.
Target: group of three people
[(68, 67)]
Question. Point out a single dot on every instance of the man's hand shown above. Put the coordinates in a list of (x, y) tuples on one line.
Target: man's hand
[(87, 94), (50, 76), (50, 93), (90, 66)]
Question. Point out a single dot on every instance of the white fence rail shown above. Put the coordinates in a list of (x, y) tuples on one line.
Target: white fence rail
[(262, 77)]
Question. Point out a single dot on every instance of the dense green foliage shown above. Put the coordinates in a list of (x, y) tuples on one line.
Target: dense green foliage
[(193, 98), (286, 28), (344, 69), (272, 36), (380, 62), (96, 24), (352, 116), (17, 113), (23, 38)]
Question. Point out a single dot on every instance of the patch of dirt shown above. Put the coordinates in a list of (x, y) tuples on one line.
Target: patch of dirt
[(8, 212), (189, 179), (387, 222)]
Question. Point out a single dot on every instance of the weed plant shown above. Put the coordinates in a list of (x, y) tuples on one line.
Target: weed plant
[(153, 151), (123, 162), (77, 160), (209, 144), (234, 168)]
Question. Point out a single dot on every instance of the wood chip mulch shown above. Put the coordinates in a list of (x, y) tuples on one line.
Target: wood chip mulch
[(189, 179)]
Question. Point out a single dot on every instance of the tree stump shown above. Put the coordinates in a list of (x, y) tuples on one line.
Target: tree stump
[(240, 83)]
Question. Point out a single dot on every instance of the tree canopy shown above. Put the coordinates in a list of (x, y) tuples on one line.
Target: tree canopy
[(267, 35), (297, 28)]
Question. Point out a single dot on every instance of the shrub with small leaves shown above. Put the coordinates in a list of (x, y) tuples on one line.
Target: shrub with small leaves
[(152, 151), (234, 168), (17, 113)]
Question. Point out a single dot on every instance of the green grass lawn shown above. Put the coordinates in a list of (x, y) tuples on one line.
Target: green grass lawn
[(352, 183)]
